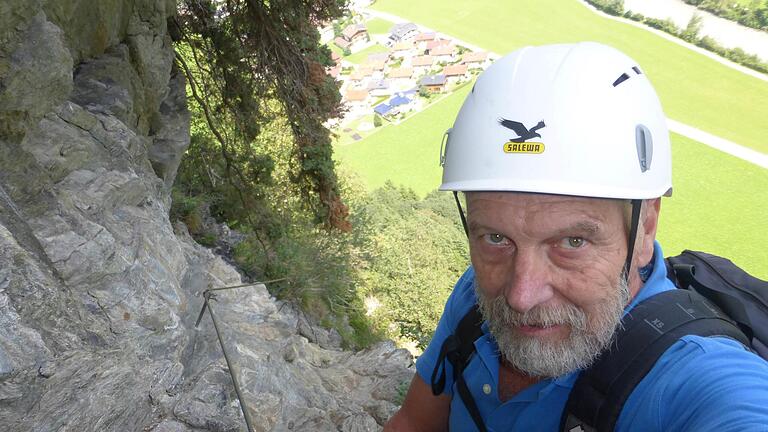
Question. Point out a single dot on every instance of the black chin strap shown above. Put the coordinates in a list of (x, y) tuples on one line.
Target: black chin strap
[(461, 213), (636, 206)]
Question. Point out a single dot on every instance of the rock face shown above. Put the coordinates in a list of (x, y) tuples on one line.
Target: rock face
[(98, 292)]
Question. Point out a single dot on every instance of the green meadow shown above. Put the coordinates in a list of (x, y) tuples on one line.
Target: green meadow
[(378, 26), (694, 89)]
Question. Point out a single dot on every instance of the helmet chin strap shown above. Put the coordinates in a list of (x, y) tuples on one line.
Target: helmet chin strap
[(461, 213), (636, 206), (633, 227)]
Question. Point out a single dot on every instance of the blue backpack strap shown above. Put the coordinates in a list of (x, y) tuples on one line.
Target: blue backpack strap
[(600, 392), (457, 349)]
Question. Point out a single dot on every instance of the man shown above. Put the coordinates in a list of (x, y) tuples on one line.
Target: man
[(563, 153)]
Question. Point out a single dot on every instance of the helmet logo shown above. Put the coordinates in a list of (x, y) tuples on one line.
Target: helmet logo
[(519, 144)]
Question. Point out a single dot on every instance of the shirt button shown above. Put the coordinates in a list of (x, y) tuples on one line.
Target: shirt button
[(487, 389)]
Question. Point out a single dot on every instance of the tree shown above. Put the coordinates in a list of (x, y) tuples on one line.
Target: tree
[(691, 31), (254, 63)]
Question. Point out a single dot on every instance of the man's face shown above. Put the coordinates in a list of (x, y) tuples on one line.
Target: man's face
[(548, 276)]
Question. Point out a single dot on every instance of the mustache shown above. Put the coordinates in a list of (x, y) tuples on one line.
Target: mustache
[(539, 316)]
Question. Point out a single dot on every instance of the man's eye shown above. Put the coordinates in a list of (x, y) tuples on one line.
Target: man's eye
[(495, 239), (572, 242)]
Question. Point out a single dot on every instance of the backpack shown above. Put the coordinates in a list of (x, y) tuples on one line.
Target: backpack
[(715, 298)]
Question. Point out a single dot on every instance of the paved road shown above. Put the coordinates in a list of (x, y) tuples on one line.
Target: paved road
[(691, 132), (729, 33)]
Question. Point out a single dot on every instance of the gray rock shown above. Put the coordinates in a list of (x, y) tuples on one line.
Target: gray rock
[(172, 139), (39, 75), (171, 426), (359, 423), (99, 294)]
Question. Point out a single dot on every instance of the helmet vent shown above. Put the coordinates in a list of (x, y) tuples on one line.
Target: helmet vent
[(644, 144), (623, 77), (637, 70)]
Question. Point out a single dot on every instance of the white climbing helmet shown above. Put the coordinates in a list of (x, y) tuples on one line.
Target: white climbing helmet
[(579, 119)]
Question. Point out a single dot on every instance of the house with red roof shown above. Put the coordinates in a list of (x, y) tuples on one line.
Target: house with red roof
[(476, 59), (456, 72), (403, 49), (422, 64), (356, 98), (434, 43), (342, 43), (444, 53)]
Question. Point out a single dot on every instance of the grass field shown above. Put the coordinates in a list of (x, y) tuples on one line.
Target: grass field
[(378, 26), (406, 153), (361, 57), (694, 89)]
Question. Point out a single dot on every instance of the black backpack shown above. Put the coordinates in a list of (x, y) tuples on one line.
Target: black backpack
[(716, 298)]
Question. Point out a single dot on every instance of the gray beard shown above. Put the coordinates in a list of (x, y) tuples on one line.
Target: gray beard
[(589, 335)]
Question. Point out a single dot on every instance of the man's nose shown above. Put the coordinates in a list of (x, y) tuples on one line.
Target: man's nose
[(529, 284)]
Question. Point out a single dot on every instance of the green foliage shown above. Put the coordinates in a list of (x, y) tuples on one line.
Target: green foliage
[(666, 25), (249, 63), (415, 252), (402, 390), (317, 270), (691, 31), (750, 13), (611, 7)]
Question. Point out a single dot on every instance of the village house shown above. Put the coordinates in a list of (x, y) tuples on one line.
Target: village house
[(422, 64), (444, 53), (402, 32), (426, 36), (335, 58), (380, 56), (476, 59), (360, 76), (357, 35), (379, 88), (343, 43), (334, 71), (376, 65), (382, 109), (433, 83), (401, 73), (434, 43), (356, 99), (404, 49), (454, 73), (401, 78), (401, 102)]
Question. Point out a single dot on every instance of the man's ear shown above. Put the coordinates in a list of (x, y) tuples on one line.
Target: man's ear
[(647, 230)]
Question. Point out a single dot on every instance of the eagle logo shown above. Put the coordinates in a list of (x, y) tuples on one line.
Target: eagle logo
[(524, 133), (518, 144)]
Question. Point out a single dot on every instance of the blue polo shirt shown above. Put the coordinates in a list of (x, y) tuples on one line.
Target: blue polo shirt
[(698, 384)]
